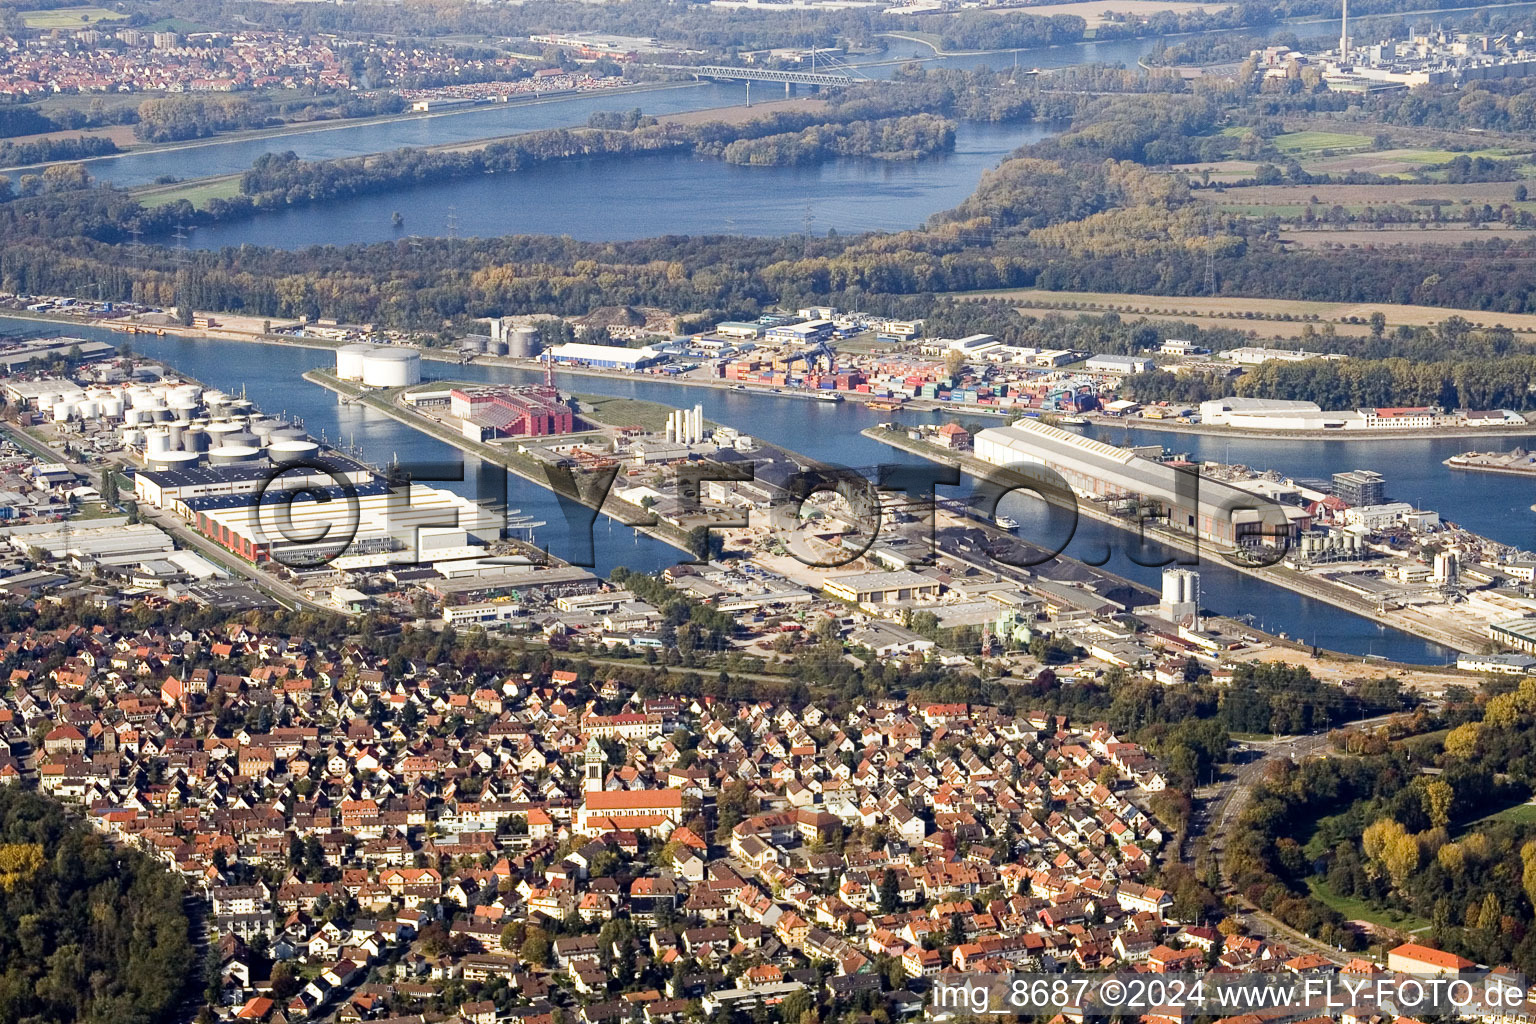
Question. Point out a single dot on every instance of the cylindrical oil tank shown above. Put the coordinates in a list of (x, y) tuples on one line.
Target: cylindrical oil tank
[(195, 439), (472, 344), (349, 361), (392, 368), (262, 427), (173, 460), (88, 409), (220, 429), (137, 396), (523, 342), (240, 407), (112, 407), (157, 441), (281, 452), (178, 429), (288, 433), (133, 437), (242, 439), (496, 347), (233, 454)]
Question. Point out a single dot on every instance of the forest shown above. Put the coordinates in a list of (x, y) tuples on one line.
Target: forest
[(895, 138), (89, 932), (1370, 826)]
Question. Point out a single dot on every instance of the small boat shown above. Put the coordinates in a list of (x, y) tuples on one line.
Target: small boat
[(1072, 421), (1007, 522), (885, 406), (1533, 508), (827, 396)]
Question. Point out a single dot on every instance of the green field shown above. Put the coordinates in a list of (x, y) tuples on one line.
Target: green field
[(69, 17), (624, 412), (195, 192), (1519, 814), (1307, 143), (1355, 909)]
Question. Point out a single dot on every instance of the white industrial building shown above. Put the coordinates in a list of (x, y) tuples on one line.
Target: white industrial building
[(1119, 364), (1194, 505), (1275, 414), (1253, 355), (374, 523), (610, 357)]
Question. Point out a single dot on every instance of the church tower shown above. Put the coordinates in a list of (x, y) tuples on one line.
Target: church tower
[(595, 763)]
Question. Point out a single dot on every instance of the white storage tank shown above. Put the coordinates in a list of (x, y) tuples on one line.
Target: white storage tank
[(349, 361), (88, 409), (157, 441), (392, 368), (133, 437), (523, 342), (233, 454), (195, 439), (281, 452), (288, 433), (242, 438), (112, 407), (173, 460), (220, 429)]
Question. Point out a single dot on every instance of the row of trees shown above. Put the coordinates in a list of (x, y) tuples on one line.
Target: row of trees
[(1498, 383)]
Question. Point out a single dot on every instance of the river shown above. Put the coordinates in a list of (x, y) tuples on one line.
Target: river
[(270, 377)]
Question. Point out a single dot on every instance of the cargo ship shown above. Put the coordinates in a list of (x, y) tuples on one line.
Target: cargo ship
[(1516, 463)]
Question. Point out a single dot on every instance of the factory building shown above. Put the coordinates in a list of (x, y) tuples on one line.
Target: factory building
[(807, 333), (606, 357), (1200, 506), (872, 588), (1517, 633), (317, 524), (173, 489), (493, 411), (1119, 364), (1273, 414)]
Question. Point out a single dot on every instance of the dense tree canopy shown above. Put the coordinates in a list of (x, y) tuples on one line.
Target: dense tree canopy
[(88, 932)]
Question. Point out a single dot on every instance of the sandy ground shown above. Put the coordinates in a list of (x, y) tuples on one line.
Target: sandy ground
[(122, 134), (1417, 236), (1336, 669), (1346, 195)]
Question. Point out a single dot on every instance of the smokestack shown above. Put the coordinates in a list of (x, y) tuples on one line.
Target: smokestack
[(1344, 31)]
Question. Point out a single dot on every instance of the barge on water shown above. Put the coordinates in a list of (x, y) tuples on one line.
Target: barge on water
[(1518, 462)]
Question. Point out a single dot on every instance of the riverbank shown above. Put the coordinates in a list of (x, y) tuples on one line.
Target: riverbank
[(1464, 640), (1216, 430)]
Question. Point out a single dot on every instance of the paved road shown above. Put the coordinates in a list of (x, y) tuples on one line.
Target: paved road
[(1219, 812)]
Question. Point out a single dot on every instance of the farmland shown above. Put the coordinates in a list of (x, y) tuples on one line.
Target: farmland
[(1221, 311), (69, 17)]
